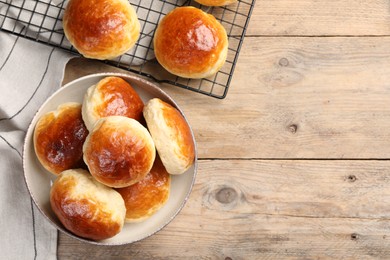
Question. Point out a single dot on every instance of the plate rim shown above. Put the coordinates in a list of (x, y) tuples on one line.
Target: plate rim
[(31, 128)]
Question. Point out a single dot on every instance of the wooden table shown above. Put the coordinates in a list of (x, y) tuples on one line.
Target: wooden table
[(294, 163)]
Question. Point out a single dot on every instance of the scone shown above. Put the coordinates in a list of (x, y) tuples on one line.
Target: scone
[(190, 43), (59, 137), (171, 135), (119, 151), (216, 2), (111, 96), (101, 29), (147, 196), (85, 207)]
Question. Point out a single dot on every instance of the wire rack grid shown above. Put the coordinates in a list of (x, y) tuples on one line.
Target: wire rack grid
[(41, 21)]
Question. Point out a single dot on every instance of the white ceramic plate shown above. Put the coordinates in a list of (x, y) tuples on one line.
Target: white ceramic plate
[(39, 180)]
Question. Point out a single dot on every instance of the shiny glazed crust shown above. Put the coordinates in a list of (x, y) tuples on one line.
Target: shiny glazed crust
[(190, 43), (111, 96), (216, 2), (119, 151), (59, 137), (147, 196), (86, 207), (101, 29), (171, 135)]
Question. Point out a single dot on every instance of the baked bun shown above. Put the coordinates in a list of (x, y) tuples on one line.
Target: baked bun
[(147, 196), (58, 138), (101, 29), (190, 43), (119, 151), (86, 207), (111, 96), (216, 2), (171, 135)]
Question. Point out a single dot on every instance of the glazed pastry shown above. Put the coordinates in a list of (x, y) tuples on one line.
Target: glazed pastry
[(101, 29), (59, 137), (111, 96), (85, 207), (171, 134), (190, 43), (119, 151), (147, 196), (216, 2)]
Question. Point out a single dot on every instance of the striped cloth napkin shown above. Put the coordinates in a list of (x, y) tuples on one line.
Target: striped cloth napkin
[(29, 73)]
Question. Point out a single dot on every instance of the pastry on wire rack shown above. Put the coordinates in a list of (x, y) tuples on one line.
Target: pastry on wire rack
[(216, 2), (190, 43), (101, 29)]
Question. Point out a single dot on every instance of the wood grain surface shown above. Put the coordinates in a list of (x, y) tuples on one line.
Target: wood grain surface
[(294, 162), (320, 18), (250, 209)]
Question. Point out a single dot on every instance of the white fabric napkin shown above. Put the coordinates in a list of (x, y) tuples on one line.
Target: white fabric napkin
[(29, 73)]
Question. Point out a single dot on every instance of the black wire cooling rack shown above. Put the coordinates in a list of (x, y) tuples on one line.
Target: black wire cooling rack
[(40, 20)]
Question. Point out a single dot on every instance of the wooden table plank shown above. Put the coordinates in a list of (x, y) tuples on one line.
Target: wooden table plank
[(298, 97), (245, 209), (268, 238), (293, 97), (312, 17)]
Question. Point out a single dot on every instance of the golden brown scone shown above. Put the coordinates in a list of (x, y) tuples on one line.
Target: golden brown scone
[(216, 2), (171, 135), (119, 151), (101, 29), (85, 207), (190, 43), (59, 137), (147, 196), (111, 96)]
